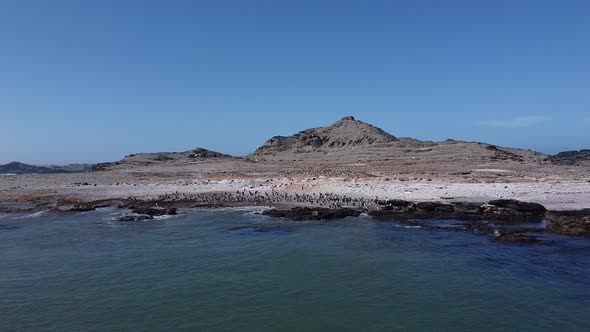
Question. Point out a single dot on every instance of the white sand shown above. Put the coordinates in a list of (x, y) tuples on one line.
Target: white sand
[(555, 196)]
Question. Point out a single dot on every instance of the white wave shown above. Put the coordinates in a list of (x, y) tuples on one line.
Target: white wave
[(166, 216), (407, 226), (27, 216), (251, 209)]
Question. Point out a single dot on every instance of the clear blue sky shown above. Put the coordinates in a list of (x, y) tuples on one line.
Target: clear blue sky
[(90, 81)]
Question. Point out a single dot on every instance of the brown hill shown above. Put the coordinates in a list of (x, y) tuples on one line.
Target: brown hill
[(352, 141), (343, 135), (147, 159)]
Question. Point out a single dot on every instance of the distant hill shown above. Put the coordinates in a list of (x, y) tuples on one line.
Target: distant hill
[(22, 168), (146, 159), (571, 157)]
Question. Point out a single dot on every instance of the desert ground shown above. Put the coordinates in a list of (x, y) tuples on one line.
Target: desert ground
[(556, 187)]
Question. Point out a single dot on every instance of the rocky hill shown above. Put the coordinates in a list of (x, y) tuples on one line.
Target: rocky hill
[(147, 159), (345, 134), (351, 141)]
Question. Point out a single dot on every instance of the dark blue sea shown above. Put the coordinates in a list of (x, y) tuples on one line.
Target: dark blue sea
[(234, 270)]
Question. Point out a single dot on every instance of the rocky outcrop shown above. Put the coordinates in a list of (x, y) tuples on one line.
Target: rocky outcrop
[(204, 153), (569, 222), (142, 212), (511, 209), (307, 213), (498, 210)]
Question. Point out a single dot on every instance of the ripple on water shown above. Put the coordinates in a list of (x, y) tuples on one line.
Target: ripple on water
[(227, 270)]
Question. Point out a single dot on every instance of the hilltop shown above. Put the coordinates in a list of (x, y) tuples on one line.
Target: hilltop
[(345, 134)]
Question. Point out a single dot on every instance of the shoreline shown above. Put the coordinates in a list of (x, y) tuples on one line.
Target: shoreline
[(445, 189), (488, 217)]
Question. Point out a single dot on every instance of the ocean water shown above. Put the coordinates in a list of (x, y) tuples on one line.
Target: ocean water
[(233, 270)]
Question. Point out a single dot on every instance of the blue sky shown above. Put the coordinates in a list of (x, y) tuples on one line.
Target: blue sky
[(90, 81)]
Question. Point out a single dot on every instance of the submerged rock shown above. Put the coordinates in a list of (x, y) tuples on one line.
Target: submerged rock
[(516, 234), (262, 228), (306, 213), (515, 237), (569, 222), (135, 217), (76, 207), (154, 211)]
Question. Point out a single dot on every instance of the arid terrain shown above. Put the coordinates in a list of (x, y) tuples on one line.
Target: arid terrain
[(349, 158)]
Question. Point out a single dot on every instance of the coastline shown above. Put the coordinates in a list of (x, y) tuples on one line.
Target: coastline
[(489, 217), (226, 182)]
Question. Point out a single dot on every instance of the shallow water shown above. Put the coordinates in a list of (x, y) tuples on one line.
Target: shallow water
[(232, 270)]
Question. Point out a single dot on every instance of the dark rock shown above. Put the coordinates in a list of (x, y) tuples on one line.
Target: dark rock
[(467, 210), (394, 207), (569, 222), (75, 207), (434, 207), (83, 207), (510, 210), (505, 210), (395, 203), (515, 237), (524, 207), (400, 209), (153, 211), (135, 217), (306, 213)]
